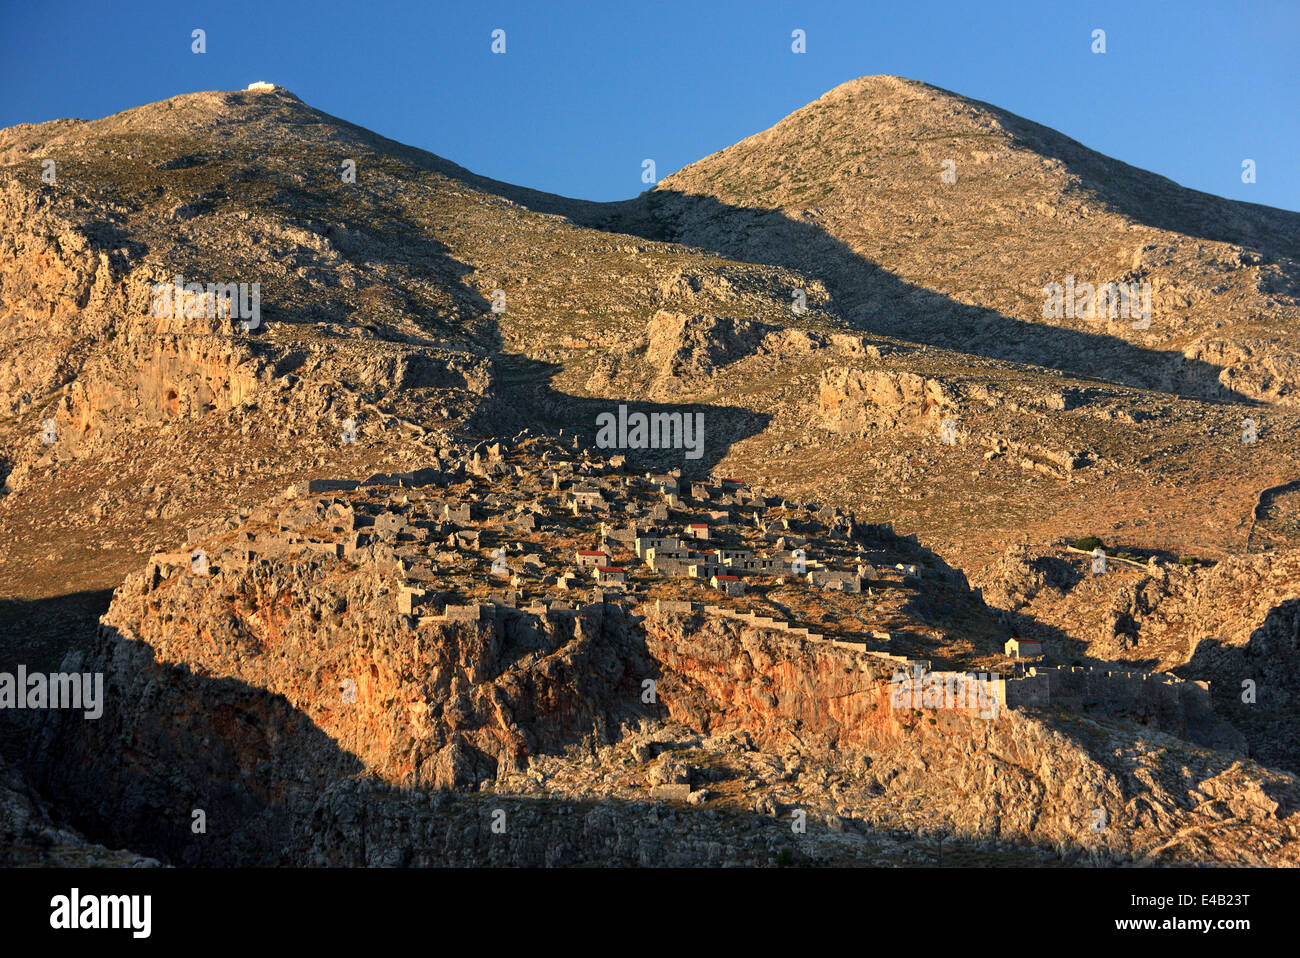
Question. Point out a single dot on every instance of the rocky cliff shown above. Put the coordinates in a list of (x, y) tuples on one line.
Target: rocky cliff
[(265, 689)]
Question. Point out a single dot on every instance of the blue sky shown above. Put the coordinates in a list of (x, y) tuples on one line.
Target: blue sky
[(585, 91)]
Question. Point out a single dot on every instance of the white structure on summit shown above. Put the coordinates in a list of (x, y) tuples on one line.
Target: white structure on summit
[(262, 85)]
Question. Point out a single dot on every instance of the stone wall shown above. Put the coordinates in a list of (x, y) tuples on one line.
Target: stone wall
[(1180, 707), (1078, 687)]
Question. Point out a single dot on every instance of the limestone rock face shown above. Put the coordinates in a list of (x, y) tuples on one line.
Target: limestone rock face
[(1014, 775), (693, 346), (293, 674), (1250, 366), (855, 401), (1233, 624), (321, 709)]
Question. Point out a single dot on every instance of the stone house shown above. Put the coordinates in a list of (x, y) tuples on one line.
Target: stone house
[(644, 544), (358, 540), (834, 581), (391, 522), (729, 584), (409, 599), (610, 575), (457, 512), (666, 565), (665, 483), (1023, 648), (465, 539), (753, 563), (702, 568), (698, 491), (591, 557), (664, 552), (587, 497), (729, 557)]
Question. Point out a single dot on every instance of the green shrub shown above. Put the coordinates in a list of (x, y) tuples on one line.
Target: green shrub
[(1088, 543), (1188, 560)]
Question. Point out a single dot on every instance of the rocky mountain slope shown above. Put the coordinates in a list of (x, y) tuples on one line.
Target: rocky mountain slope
[(855, 334), (852, 190), (316, 672)]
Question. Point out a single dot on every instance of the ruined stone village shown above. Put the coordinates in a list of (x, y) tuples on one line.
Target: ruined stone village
[(531, 534)]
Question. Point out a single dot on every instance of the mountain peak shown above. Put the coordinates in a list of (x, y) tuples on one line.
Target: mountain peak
[(885, 186)]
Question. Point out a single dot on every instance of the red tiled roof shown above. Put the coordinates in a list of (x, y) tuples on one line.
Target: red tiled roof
[(727, 578), (590, 552), (609, 568)]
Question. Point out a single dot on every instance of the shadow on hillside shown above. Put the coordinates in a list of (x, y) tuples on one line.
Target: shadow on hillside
[(37, 634), (878, 302), (532, 401), (1138, 194), (419, 248), (370, 230), (1270, 529), (941, 596), (276, 789), (456, 830), (1142, 196), (1061, 573), (174, 739), (1270, 662)]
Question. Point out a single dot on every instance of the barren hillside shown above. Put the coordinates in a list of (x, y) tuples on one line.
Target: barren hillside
[(851, 189), (885, 417)]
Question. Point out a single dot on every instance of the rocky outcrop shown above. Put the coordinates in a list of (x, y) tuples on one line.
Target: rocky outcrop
[(259, 696), (972, 213), (1016, 776), (1250, 367), (248, 690), (305, 694), (690, 347), (57, 286), (855, 401)]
